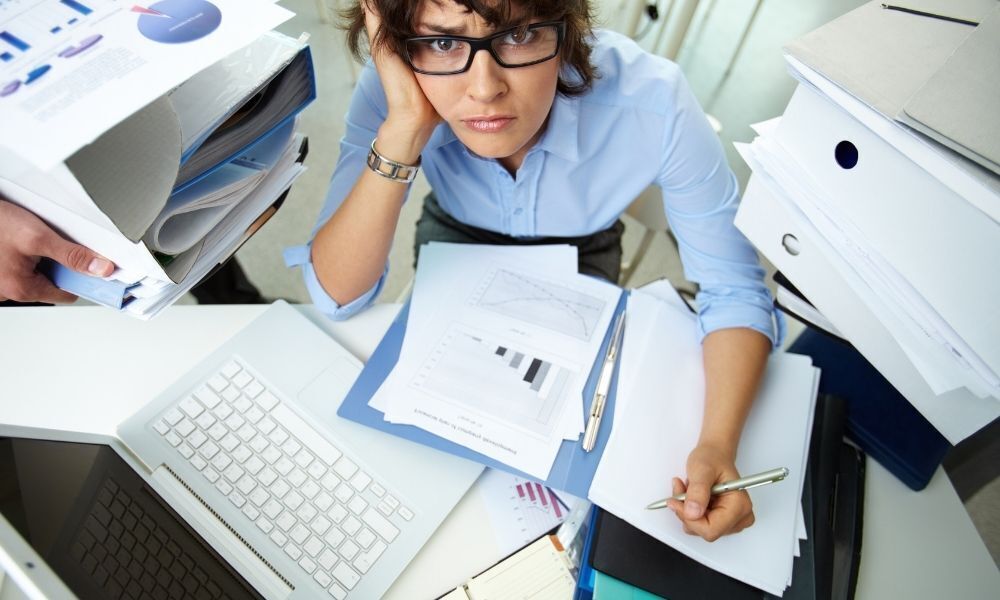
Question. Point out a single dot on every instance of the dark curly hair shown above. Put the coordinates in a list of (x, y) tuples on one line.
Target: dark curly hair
[(399, 17)]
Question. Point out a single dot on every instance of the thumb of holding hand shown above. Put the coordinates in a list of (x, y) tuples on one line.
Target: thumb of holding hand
[(701, 478), (79, 258)]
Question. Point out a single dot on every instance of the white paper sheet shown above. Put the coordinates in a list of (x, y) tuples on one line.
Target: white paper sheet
[(521, 510), (500, 355), (650, 442), (76, 69)]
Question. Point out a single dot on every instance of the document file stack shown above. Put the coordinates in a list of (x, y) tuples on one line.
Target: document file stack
[(172, 189), (877, 194)]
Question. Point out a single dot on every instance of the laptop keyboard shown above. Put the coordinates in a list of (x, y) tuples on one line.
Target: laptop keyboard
[(130, 556), (313, 502)]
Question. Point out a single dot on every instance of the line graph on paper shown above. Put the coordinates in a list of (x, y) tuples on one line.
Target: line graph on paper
[(539, 302)]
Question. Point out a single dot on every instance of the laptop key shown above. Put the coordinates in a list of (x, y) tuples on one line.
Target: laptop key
[(351, 525), (242, 379), (365, 538), (299, 534), (231, 369), (322, 579), (306, 433), (327, 559), (191, 407), (323, 502), (207, 396), (348, 550), (173, 416), (337, 592), (345, 575), (380, 524), (307, 565), (345, 468), (313, 546)]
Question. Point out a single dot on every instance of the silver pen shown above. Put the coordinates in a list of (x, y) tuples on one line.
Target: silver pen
[(743, 483), (603, 385)]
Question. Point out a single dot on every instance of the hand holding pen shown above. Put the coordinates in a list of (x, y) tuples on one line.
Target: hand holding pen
[(735, 485), (701, 513)]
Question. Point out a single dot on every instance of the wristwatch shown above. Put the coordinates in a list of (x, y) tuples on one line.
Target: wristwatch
[(390, 169)]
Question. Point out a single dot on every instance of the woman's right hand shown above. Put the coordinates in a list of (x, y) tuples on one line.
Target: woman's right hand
[(411, 118)]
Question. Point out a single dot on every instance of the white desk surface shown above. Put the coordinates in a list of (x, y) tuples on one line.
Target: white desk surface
[(88, 368)]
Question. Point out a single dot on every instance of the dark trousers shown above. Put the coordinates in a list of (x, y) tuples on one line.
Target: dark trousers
[(600, 253)]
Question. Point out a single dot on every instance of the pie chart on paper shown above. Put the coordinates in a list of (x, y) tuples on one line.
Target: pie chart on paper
[(178, 21)]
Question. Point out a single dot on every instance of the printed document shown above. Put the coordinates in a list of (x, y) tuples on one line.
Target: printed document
[(496, 353), (72, 69)]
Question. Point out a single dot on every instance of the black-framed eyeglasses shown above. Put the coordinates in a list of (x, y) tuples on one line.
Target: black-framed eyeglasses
[(518, 47)]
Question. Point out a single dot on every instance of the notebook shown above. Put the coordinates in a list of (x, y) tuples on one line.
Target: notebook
[(237, 481), (539, 571)]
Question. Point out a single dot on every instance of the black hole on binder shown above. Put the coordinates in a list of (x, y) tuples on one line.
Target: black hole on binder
[(846, 154)]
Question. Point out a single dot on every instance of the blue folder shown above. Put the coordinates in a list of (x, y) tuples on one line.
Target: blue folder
[(573, 469), (114, 294)]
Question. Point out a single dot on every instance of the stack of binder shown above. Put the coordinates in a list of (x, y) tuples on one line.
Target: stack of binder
[(877, 194), (174, 189)]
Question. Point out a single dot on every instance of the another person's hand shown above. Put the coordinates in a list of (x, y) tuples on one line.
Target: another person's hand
[(702, 514), (24, 240), (410, 113)]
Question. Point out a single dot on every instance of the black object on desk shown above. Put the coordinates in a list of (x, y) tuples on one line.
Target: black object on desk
[(880, 420), (833, 502)]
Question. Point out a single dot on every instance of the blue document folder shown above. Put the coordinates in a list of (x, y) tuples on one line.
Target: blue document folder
[(573, 469), (114, 294)]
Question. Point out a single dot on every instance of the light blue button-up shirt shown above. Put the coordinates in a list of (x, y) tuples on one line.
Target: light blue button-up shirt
[(639, 125)]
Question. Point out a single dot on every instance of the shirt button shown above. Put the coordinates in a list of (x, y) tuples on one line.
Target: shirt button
[(518, 211)]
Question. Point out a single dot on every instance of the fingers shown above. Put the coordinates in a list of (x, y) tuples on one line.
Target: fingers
[(37, 288), (701, 478), (74, 256), (725, 514), (728, 514)]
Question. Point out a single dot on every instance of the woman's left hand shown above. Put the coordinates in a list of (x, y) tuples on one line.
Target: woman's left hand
[(702, 514)]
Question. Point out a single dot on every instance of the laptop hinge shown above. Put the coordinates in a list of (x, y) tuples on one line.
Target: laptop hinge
[(246, 560)]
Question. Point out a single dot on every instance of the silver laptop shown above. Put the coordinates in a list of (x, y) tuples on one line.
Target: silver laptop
[(238, 481)]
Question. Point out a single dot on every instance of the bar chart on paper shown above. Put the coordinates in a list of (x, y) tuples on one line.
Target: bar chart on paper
[(507, 384), (522, 510), (539, 302), (31, 28)]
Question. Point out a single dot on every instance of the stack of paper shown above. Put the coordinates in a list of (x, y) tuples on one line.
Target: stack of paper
[(657, 421), (175, 187), (498, 347), (909, 221)]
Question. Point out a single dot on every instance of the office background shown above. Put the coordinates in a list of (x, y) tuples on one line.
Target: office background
[(756, 88)]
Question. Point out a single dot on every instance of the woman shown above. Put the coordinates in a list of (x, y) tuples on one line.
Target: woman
[(532, 129)]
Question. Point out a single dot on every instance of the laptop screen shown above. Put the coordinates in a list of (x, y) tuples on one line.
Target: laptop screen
[(102, 529)]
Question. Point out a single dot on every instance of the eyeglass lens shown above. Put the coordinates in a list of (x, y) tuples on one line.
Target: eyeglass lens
[(513, 48)]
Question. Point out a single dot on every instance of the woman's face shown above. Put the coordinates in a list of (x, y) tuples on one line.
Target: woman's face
[(495, 111)]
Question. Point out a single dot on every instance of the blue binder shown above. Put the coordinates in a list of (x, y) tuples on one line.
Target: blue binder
[(573, 469)]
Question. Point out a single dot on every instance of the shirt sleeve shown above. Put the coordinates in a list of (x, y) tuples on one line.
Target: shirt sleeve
[(701, 196), (366, 113)]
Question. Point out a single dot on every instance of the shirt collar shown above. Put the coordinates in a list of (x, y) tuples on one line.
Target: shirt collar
[(561, 135), (562, 132)]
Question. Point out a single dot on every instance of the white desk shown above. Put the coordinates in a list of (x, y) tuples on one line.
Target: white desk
[(86, 369)]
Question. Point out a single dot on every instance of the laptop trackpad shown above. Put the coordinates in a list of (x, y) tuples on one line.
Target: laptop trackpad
[(322, 396)]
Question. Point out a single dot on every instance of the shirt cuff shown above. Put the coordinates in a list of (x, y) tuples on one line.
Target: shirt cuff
[(751, 311), (300, 256)]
